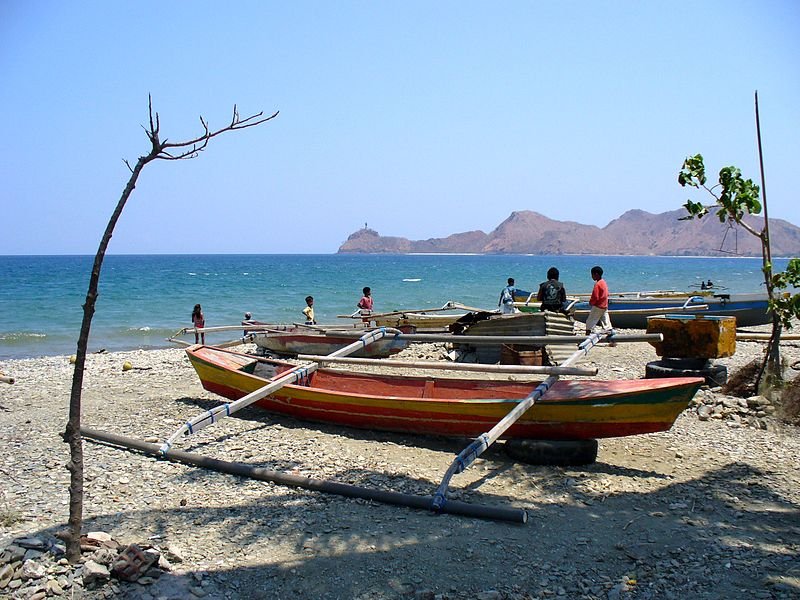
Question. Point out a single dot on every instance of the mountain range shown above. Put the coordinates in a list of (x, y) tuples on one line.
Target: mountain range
[(636, 232)]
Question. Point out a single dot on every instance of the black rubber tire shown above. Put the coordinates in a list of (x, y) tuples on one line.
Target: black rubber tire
[(553, 452), (715, 375)]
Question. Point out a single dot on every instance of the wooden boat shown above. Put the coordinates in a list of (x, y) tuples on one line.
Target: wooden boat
[(291, 340), (630, 312), (423, 320), (450, 407)]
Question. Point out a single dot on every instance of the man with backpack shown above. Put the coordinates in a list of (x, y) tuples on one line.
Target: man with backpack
[(506, 302), (552, 293)]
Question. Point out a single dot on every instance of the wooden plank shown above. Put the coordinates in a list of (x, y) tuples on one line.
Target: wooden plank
[(449, 366)]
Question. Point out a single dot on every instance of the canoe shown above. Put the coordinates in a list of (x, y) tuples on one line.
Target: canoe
[(628, 312), (289, 340), (422, 322), (447, 406)]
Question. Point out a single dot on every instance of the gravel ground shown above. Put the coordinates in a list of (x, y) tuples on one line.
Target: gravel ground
[(708, 509)]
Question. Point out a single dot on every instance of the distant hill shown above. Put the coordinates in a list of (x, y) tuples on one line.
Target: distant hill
[(637, 232)]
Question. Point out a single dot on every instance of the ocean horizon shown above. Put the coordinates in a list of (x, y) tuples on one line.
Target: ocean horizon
[(145, 298)]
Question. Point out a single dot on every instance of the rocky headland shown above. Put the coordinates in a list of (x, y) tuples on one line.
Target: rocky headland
[(636, 232)]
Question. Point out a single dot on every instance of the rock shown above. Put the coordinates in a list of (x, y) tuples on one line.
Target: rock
[(94, 572), (33, 570), (704, 412), (53, 588), (6, 575), (31, 543)]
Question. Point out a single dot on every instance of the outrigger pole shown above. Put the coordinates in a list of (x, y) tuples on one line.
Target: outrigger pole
[(480, 444), (454, 507)]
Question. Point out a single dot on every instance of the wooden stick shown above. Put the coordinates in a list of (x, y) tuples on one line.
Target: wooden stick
[(785, 337), (654, 310), (530, 340), (228, 344), (447, 306), (449, 366)]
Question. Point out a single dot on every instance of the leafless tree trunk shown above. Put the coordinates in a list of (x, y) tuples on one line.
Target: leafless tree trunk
[(163, 150)]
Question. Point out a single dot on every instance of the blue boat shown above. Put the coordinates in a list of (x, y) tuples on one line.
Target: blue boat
[(630, 310)]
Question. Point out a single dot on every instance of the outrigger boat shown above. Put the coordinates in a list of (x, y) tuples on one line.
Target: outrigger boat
[(421, 319), (291, 340), (631, 312), (575, 409)]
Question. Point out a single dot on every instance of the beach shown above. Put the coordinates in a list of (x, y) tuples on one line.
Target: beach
[(709, 509)]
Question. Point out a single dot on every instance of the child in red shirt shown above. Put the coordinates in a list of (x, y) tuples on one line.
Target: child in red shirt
[(598, 303)]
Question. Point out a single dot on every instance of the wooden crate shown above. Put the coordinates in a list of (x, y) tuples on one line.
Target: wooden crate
[(694, 336)]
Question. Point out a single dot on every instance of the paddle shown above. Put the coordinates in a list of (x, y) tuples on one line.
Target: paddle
[(466, 457), (296, 374)]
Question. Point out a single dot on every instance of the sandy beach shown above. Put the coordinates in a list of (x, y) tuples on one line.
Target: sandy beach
[(709, 509)]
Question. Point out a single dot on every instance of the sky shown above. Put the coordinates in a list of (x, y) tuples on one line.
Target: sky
[(419, 119)]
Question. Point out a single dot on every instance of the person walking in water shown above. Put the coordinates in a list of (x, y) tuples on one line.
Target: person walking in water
[(506, 302), (552, 293), (598, 303), (198, 322), (365, 304), (308, 311)]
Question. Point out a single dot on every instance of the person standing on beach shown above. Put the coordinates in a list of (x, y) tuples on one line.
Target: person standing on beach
[(506, 302), (365, 304), (598, 303), (552, 293), (198, 321), (308, 311), (248, 320)]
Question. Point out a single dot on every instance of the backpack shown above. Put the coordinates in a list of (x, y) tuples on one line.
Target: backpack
[(550, 293)]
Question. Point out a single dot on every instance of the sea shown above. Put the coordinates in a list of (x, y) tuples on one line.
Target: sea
[(144, 299)]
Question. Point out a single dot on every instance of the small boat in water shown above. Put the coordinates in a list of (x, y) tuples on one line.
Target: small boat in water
[(631, 310), (574, 410)]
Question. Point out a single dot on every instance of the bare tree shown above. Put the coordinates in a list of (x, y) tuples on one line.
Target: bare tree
[(160, 150)]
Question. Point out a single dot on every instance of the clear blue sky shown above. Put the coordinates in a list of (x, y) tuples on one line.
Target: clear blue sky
[(421, 119)]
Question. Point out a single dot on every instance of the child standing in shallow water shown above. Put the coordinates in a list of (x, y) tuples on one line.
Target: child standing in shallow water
[(198, 321)]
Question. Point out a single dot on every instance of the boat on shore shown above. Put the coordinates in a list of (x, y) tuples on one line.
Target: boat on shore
[(291, 340), (423, 320), (460, 407), (631, 310)]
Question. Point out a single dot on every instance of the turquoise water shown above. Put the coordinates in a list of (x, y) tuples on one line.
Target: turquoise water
[(144, 299)]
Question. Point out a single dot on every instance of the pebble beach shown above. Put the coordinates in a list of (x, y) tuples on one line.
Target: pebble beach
[(709, 509)]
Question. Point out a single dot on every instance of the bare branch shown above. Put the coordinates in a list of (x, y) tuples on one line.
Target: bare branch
[(127, 164), (236, 124), (749, 229)]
